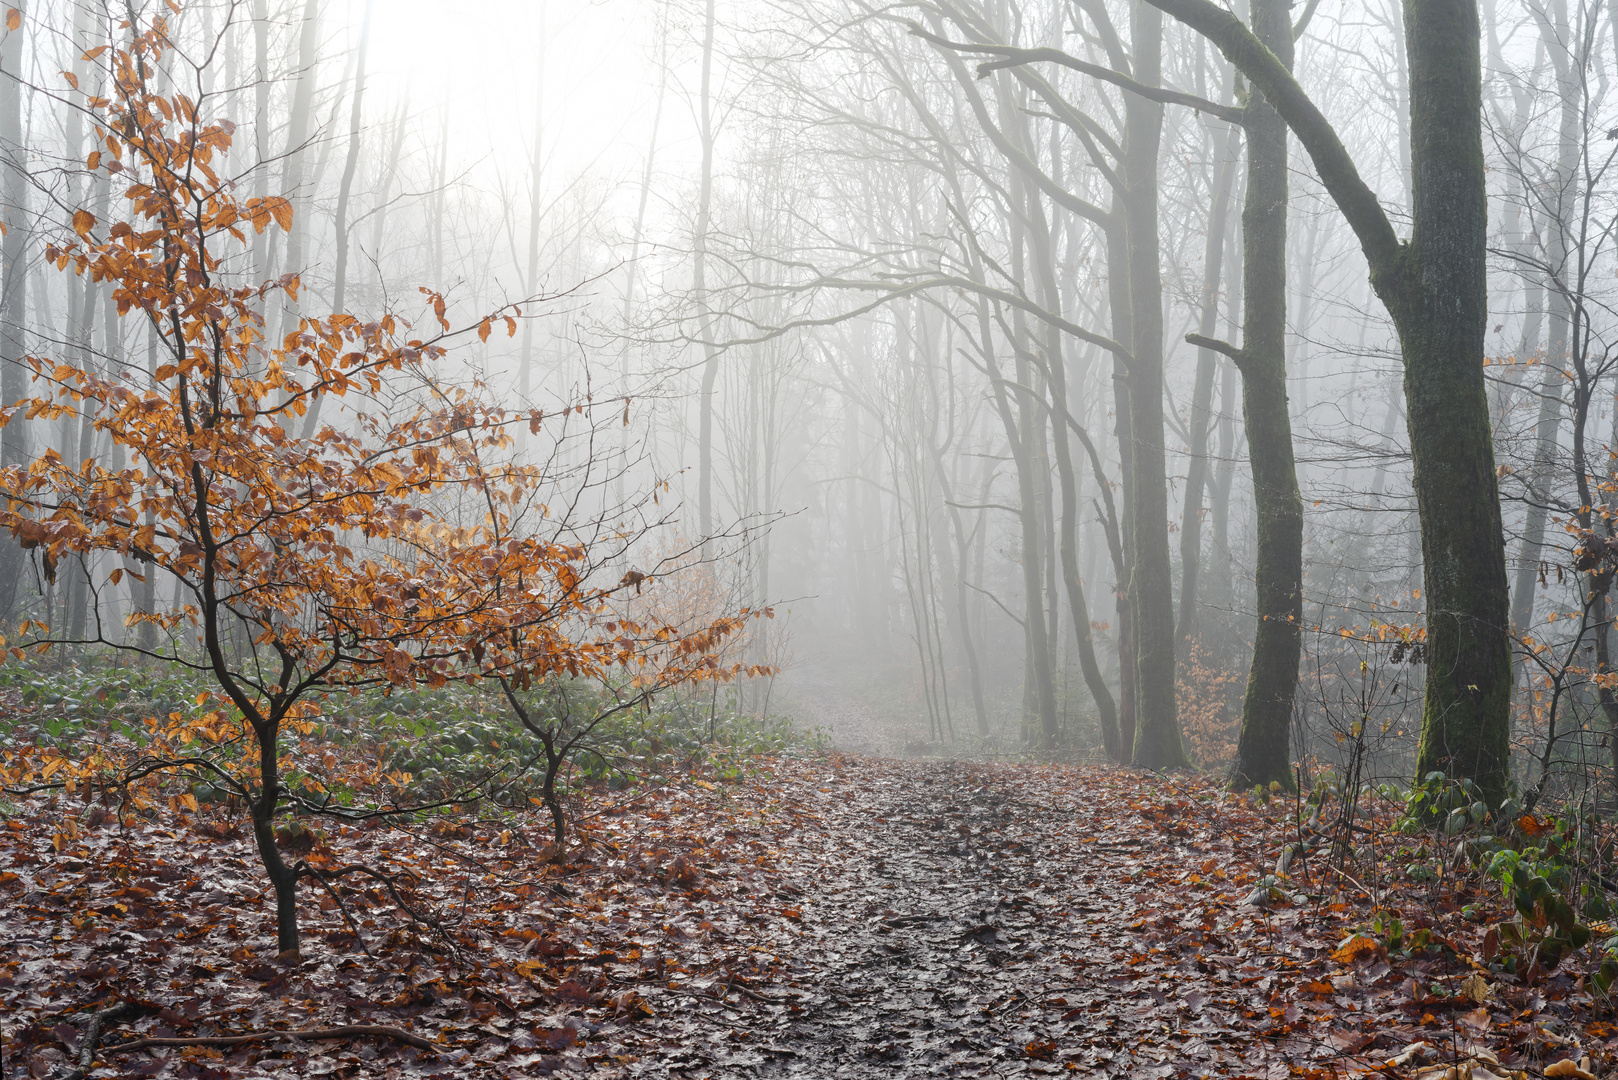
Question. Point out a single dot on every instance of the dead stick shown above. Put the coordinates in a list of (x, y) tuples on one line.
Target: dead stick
[(347, 1032), (92, 1036), (1368, 893)]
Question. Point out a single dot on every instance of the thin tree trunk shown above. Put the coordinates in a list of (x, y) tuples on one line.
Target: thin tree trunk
[(632, 266), (955, 567), (261, 126), (390, 169), (1202, 392), (298, 134), (1123, 604), (525, 375), (1157, 726), (1067, 475), (14, 212), (699, 283), (1555, 34), (1262, 749), (339, 290)]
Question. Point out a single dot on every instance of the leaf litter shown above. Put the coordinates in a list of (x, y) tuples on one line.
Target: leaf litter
[(840, 916)]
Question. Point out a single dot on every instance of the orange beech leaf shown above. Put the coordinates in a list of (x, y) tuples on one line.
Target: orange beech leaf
[(83, 222), (1532, 826), (1356, 947)]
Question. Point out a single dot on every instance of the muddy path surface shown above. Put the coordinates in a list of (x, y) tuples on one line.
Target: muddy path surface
[(967, 919)]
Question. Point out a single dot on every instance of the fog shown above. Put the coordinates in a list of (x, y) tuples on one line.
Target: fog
[(872, 317)]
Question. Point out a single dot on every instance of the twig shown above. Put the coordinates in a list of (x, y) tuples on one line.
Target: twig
[(1369, 894), (303, 868), (348, 1031), (389, 882), (92, 1036)]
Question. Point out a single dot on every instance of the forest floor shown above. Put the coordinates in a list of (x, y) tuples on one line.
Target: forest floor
[(847, 915)]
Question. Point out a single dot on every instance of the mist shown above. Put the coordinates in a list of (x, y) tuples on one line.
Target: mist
[(882, 320)]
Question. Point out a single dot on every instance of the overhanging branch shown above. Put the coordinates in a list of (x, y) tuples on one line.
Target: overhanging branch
[(1011, 56), (895, 291)]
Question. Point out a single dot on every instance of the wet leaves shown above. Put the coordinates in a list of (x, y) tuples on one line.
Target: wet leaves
[(838, 917)]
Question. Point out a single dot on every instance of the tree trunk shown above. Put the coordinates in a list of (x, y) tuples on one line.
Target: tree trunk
[(1263, 750), (339, 290), (1068, 529), (1434, 286), (632, 264), (699, 284), (261, 127), (298, 134), (1557, 226), (525, 362), (1123, 604), (1465, 717), (283, 877), (356, 115), (13, 290), (1157, 728), (1196, 480), (955, 567)]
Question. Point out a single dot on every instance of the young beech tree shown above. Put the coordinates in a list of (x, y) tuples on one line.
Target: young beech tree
[(386, 549)]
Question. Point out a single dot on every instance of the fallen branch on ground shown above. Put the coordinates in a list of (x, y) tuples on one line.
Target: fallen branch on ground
[(92, 1035)]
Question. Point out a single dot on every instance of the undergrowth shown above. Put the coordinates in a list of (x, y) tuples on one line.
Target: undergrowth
[(444, 745)]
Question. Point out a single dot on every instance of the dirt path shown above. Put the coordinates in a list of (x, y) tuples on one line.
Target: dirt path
[(825, 917), (817, 697), (937, 935), (963, 919)]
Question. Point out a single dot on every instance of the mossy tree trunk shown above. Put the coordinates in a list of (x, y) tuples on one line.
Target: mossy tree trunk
[(1443, 294), (1434, 287)]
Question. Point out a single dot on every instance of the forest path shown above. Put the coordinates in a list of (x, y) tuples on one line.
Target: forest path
[(820, 697), (968, 919)]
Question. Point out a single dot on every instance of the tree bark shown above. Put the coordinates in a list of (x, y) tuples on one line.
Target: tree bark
[(525, 372), (1067, 475), (1557, 225), (283, 878), (955, 568), (298, 134), (699, 283), (13, 290), (261, 128), (1157, 728), (1262, 749), (1434, 287), (339, 289), (1465, 717), (1196, 480)]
